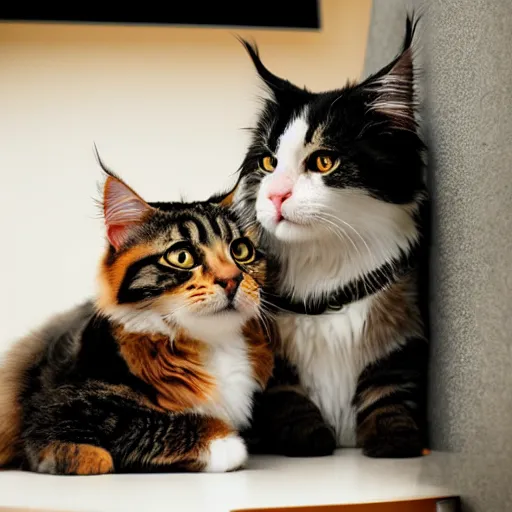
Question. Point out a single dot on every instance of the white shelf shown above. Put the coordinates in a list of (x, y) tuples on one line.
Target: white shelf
[(347, 477)]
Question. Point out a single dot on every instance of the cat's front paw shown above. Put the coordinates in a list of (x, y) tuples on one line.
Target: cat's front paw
[(397, 444), (226, 454), (59, 458), (308, 439)]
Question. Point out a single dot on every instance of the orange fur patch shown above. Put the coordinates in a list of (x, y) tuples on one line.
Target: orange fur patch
[(251, 288), (202, 283), (260, 352), (196, 289), (228, 200), (216, 429), (173, 367), (77, 459), (111, 276), (217, 260)]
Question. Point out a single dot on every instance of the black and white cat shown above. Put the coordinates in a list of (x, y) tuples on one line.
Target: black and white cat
[(333, 182)]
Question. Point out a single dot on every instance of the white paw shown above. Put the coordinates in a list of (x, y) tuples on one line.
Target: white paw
[(226, 454)]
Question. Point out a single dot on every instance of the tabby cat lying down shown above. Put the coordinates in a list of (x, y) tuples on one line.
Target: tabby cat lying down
[(159, 373)]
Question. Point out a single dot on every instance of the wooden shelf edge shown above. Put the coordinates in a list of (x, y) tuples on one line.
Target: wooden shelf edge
[(439, 504)]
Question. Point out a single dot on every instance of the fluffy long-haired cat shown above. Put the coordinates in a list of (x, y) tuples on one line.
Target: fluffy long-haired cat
[(159, 372), (333, 182)]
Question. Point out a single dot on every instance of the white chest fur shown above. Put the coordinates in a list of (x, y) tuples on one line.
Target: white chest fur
[(326, 350), (229, 364)]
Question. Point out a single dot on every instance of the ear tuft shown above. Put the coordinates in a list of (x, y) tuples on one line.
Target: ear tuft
[(275, 84), (392, 88), (123, 210)]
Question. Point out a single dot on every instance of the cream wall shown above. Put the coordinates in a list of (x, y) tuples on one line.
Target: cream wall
[(165, 107)]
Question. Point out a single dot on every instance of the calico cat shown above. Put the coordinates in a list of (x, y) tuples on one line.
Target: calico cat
[(159, 373), (333, 184)]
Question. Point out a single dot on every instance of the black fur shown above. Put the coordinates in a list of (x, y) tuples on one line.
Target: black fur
[(76, 404), (286, 422), (91, 394), (371, 128), (375, 281), (376, 157)]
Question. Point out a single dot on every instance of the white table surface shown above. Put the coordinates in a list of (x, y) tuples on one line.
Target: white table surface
[(346, 477)]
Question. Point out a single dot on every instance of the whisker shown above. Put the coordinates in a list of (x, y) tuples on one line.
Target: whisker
[(259, 312), (265, 325), (334, 228), (170, 313), (347, 236), (369, 279), (337, 218), (266, 302)]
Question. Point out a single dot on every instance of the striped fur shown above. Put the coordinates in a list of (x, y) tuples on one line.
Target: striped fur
[(354, 377), (160, 371)]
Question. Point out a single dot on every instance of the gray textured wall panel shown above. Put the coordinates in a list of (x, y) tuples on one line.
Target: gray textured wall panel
[(465, 50)]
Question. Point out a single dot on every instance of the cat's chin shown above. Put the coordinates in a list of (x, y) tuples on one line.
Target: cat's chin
[(291, 232)]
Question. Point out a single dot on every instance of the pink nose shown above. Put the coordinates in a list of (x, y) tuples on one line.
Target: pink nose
[(278, 200)]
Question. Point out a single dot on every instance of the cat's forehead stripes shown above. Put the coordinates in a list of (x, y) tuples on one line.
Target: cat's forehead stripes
[(193, 229), (221, 227), (135, 273), (206, 229)]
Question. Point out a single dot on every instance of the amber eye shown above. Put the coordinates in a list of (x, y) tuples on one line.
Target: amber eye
[(180, 258), (243, 250), (268, 163), (323, 162)]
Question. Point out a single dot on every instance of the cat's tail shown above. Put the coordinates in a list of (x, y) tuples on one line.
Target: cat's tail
[(13, 378), (25, 354)]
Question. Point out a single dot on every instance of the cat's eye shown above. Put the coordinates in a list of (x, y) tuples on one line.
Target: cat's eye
[(243, 250), (268, 163), (323, 162), (179, 257)]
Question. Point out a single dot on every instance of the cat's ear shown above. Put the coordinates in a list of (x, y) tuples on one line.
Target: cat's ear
[(391, 90), (279, 87), (123, 210), (225, 199)]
